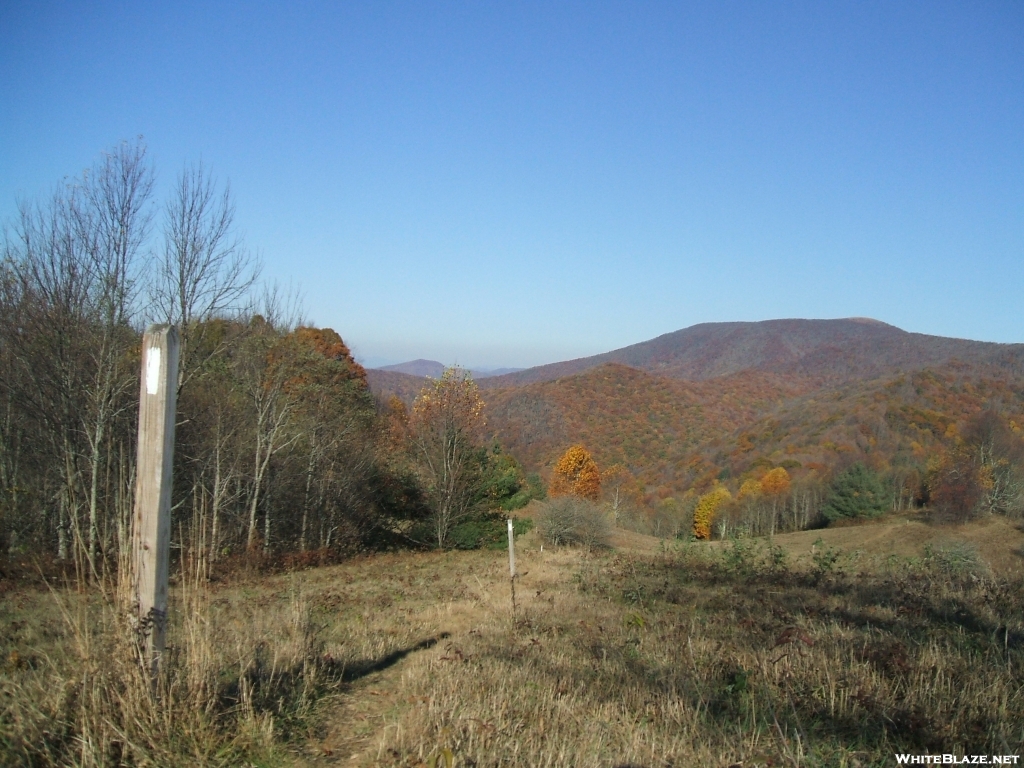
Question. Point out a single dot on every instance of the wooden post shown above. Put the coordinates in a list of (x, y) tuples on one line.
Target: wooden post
[(151, 537), (512, 567)]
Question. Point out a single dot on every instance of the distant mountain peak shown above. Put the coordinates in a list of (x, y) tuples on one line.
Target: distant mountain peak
[(827, 350), (418, 367), (869, 321), (434, 369)]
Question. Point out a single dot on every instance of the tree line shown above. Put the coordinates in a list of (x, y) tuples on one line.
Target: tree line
[(280, 446), (979, 471)]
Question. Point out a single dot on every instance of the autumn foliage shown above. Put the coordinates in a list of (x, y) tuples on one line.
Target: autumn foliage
[(576, 474), (775, 482), (706, 509), (445, 420), (981, 471), (676, 438)]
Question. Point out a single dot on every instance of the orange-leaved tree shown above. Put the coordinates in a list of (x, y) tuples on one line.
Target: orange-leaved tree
[(576, 474), (775, 482), (775, 485)]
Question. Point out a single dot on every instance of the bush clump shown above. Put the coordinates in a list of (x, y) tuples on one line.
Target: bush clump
[(572, 520), (957, 560)]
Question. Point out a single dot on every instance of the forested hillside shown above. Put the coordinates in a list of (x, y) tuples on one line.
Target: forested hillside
[(388, 384), (648, 423), (726, 404), (284, 443)]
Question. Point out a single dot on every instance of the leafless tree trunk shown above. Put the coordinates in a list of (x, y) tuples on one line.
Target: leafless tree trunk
[(113, 225), (53, 290), (264, 384), (205, 271)]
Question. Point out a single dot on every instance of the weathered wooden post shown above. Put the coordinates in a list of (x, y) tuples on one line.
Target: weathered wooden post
[(151, 519), (512, 567)]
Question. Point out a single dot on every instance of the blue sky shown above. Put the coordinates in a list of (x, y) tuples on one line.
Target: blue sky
[(519, 183)]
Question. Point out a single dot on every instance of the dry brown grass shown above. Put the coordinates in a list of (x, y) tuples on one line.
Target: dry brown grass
[(74, 692), (695, 660), (694, 656)]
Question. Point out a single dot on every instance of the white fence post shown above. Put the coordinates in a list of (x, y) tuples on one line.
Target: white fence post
[(511, 552), (512, 567)]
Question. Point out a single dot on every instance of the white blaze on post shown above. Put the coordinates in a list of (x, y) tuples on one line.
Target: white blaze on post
[(151, 518), (153, 357), (511, 552)]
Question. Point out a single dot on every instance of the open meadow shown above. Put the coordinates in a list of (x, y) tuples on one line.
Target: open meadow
[(788, 652)]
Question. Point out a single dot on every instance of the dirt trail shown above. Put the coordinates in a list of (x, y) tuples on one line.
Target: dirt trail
[(372, 704)]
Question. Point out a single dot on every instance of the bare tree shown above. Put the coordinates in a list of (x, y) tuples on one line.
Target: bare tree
[(50, 290), (15, 426), (445, 419), (206, 271), (263, 375), (73, 268), (113, 225)]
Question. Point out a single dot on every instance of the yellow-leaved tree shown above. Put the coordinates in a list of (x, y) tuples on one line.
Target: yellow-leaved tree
[(576, 474), (706, 509), (751, 489)]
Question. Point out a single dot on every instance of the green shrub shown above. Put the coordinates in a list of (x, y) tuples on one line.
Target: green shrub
[(519, 527), (490, 532), (825, 560), (473, 534), (857, 492)]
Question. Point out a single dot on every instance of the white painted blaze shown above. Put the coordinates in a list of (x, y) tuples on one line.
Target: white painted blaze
[(153, 370)]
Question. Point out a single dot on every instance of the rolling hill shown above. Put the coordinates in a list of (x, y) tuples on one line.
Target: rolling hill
[(826, 350), (418, 368)]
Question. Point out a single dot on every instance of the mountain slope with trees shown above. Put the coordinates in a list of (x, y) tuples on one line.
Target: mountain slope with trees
[(675, 440), (728, 403)]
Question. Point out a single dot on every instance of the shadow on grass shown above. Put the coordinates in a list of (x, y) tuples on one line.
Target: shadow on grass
[(284, 693), (354, 670)]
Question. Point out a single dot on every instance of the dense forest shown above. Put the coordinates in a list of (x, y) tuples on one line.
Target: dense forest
[(946, 439)]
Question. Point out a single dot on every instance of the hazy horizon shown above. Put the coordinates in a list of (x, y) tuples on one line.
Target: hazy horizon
[(381, 362), (508, 186)]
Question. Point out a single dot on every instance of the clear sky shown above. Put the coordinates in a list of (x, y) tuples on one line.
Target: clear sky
[(519, 183)]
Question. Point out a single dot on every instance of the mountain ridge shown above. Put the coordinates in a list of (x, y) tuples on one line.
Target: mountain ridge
[(422, 368), (823, 352), (830, 350)]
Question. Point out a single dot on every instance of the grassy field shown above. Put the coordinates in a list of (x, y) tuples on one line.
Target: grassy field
[(794, 652)]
